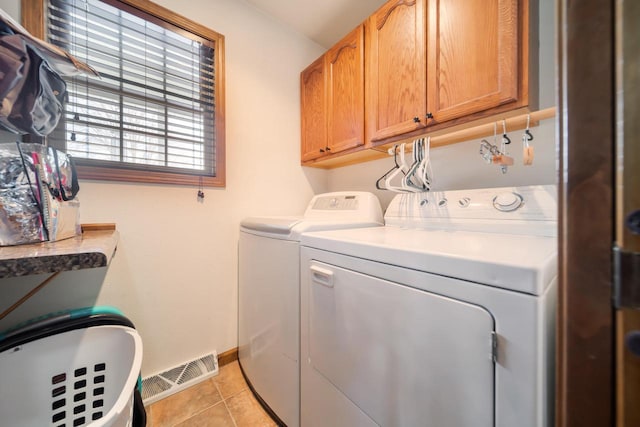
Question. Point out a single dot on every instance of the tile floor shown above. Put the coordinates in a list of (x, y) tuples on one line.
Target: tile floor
[(222, 401)]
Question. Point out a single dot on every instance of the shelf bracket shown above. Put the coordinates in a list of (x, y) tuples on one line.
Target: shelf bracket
[(29, 294)]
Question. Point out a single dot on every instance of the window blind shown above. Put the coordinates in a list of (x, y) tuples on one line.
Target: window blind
[(153, 107)]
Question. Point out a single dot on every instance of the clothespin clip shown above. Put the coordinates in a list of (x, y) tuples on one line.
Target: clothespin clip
[(527, 150), (502, 160)]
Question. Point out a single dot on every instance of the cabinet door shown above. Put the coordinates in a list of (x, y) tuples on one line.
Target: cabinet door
[(345, 92), (396, 69), (472, 56), (313, 111)]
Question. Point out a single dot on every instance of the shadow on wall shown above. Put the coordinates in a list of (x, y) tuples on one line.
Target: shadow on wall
[(71, 289), (318, 179), (460, 166)]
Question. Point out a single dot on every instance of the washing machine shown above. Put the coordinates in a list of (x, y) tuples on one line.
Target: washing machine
[(269, 294), (443, 317)]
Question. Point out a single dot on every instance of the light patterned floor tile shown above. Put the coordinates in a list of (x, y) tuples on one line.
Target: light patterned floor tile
[(176, 408), (216, 416), (247, 412), (203, 406), (230, 380)]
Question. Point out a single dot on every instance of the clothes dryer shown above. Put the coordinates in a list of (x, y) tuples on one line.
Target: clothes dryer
[(269, 294), (443, 317)]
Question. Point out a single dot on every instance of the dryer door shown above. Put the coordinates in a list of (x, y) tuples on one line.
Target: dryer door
[(403, 356)]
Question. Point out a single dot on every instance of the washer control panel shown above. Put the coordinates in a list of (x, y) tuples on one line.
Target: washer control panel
[(336, 203), (345, 206)]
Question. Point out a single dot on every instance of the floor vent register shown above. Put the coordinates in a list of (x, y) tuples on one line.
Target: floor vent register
[(178, 378)]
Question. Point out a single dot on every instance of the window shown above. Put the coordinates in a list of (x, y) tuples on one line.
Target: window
[(156, 114)]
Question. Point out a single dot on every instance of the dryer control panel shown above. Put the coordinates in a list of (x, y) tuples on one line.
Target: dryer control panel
[(520, 210)]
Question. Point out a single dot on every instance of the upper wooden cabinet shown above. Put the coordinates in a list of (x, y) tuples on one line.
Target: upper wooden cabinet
[(396, 69), (344, 65), (473, 57), (433, 61), (332, 99), (427, 65), (313, 111)]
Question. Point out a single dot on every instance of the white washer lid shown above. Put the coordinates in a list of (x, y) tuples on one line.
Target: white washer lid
[(328, 211), (271, 225), (520, 263), (290, 228)]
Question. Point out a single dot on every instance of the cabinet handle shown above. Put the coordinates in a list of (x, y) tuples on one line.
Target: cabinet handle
[(429, 116), (416, 119)]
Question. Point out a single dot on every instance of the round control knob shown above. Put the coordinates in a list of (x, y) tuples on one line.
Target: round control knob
[(333, 202), (464, 202), (507, 202)]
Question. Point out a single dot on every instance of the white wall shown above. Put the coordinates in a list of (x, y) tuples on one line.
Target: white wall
[(459, 166), (174, 273)]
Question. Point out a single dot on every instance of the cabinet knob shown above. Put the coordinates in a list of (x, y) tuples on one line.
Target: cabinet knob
[(328, 149), (416, 119), (429, 116), (322, 150)]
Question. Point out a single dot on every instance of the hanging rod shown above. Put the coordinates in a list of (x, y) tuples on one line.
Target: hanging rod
[(515, 120), (442, 137)]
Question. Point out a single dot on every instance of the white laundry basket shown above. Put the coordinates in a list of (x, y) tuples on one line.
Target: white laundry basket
[(79, 373)]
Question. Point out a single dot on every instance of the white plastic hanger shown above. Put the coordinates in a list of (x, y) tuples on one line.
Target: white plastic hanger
[(400, 172), (412, 181), (425, 171)]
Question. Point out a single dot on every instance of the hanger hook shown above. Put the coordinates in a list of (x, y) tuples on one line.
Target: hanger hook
[(506, 139), (395, 155), (527, 131)]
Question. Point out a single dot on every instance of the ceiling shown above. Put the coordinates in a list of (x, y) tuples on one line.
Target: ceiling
[(323, 21)]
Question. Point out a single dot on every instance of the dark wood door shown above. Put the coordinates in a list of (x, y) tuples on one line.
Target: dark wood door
[(585, 363), (627, 214)]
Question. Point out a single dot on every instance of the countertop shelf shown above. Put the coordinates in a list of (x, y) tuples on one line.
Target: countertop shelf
[(92, 249)]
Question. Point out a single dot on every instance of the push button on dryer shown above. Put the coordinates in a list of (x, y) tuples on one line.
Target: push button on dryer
[(464, 202)]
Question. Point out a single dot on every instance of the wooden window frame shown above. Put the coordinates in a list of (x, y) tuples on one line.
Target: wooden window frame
[(33, 19)]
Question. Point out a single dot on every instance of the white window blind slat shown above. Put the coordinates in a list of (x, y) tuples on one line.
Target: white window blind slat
[(153, 104)]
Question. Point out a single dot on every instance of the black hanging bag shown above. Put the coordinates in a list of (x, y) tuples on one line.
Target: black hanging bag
[(32, 93)]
